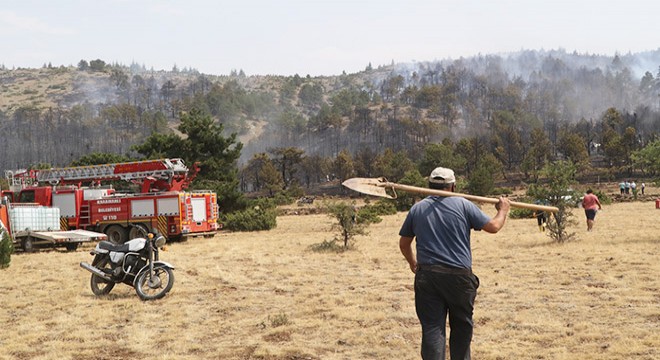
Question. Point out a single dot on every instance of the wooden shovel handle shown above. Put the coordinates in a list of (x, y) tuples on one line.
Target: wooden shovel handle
[(476, 198)]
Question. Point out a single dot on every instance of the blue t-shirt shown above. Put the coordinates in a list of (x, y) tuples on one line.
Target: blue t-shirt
[(441, 226)]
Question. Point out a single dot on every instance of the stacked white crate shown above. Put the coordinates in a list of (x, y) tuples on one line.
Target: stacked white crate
[(35, 218)]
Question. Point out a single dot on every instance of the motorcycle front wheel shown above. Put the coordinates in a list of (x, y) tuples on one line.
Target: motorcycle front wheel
[(99, 285), (152, 288)]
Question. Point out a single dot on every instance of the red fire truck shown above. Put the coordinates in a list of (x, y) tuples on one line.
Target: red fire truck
[(161, 205)]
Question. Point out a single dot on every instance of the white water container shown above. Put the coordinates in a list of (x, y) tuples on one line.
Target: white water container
[(35, 218)]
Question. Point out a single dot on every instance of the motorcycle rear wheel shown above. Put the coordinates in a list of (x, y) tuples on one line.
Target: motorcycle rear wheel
[(99, 285), (149, 288)]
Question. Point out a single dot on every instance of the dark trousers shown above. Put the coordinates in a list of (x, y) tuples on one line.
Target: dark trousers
[(436, 296)]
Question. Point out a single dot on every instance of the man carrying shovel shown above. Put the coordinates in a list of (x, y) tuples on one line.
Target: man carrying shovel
[(444, 282)]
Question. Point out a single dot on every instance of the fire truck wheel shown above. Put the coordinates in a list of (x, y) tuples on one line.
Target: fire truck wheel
[(27, 244), (117, 234), (134, 232)]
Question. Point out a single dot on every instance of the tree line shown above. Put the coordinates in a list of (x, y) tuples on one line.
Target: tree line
[(482, 116)]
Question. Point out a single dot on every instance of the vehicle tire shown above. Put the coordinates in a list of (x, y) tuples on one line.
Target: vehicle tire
[(134, 232), (27, 244), (154, 288), (99, 285), (71, 246), (116, 234)]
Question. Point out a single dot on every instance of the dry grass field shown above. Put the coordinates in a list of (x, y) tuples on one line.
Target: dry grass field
[(266, 295)]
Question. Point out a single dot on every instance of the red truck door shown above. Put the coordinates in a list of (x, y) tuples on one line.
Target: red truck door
[(39, 195)]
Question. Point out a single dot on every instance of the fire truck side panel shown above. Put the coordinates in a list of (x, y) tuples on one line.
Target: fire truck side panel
[(142, 208), (108, 211), (95, 194), (203, 212), (66, 202), (198, 209), (168, 206), (168, 215)]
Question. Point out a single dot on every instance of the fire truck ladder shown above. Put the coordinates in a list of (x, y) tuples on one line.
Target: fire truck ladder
[(18, 179), (163, 169)]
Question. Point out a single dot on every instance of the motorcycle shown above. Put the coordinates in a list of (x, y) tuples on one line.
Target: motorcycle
[(134, 263)]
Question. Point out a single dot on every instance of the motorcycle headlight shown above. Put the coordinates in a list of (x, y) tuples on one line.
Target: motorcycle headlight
[(160, 241)]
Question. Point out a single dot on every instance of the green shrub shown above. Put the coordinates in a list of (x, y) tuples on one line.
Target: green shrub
[(519, 213), (258, 217), (385, 207), (348, 226), (405, 200), (282, 199), (480, 181), (327, 246), (6, 249), (278, 320), (501, 191), (294, 191), (603, 197), (370, 214), (558, 192)]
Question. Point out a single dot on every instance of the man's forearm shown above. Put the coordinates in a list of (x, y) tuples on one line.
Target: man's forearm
[(496, 223)]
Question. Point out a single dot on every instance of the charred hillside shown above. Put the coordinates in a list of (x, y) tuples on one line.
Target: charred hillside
[(55, 115)]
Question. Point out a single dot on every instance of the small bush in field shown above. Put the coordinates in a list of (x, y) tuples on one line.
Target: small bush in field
[(383, 207), (519, 213), (278, 320), (6, 249), (558, 192), (368, 215), (261, 216), (282, 199), (603, 197), (327, 246), (347, 224), (501, 191)]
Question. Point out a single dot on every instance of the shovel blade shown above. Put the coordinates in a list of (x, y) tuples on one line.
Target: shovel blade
[(370, 186)]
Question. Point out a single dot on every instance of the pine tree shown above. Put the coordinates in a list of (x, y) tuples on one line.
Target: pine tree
[(558, 192)]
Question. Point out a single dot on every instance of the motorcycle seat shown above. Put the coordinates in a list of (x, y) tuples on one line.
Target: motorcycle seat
[(110, 246)]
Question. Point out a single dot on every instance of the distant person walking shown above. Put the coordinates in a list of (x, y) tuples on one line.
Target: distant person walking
[(442, 263), (643, 186), (591, 204), (541, 217), (622, 187)]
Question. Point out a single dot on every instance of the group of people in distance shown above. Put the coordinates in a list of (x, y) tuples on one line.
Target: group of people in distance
[(627, 187)]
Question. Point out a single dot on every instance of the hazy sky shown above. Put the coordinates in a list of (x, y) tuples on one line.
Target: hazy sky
[(313, 37)]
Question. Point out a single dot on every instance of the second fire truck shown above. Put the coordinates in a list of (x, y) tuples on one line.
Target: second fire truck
[(161, 205)]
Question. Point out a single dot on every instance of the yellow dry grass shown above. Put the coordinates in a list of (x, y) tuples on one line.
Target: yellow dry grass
[(265, 295)]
